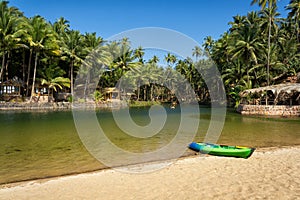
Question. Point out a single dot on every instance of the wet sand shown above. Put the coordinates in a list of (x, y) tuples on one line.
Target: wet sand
[(271, 173)]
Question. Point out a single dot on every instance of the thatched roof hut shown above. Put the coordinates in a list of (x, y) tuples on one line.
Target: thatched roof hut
[(11, 87), (280, 92), (111, 93)]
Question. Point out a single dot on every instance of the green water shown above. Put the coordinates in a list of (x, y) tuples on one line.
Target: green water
[(45, 144)]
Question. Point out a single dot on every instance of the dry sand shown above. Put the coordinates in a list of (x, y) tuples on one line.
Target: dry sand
[(267, 174)]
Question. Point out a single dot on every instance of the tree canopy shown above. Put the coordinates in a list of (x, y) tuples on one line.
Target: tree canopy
[(259, 49)]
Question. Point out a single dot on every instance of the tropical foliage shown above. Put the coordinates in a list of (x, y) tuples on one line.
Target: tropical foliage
[(260, 48)]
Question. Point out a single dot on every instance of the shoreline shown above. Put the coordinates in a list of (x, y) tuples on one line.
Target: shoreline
[(188, 154), (266, 165), (61, 106)]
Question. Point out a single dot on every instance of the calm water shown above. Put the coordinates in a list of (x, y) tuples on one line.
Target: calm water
[(45, 144)]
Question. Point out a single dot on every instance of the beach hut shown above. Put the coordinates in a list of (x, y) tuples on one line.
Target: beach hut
[(111, 93), (275, 100), (11, 89), (281, 94)]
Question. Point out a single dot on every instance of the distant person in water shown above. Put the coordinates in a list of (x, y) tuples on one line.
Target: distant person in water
[(173, 105)]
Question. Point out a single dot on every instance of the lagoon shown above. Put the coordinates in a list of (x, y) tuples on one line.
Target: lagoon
[(41, 144)]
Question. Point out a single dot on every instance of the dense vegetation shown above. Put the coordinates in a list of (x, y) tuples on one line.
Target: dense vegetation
[(259, 49)]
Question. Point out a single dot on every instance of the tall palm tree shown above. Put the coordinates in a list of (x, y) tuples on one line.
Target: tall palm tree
[(247, 47), (270, 23), (294, 15), (271, 4), (72, 46), (96, 55), (10, 32), (40, 37)]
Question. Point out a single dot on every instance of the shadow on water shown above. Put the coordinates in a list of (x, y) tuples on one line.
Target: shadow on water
[(45, 144)]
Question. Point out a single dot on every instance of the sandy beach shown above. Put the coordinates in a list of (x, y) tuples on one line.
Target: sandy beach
[(271, 173)]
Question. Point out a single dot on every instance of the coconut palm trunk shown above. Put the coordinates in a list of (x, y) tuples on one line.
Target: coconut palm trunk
[(72, 77), (151, 92), (34, 75), (86, 85), (2, 66), (6, 65), (269, 51), (23, 66), (28, 72), (138, 92), (271, 4)]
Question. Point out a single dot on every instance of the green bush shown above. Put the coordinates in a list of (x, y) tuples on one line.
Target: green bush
[(98, 96)]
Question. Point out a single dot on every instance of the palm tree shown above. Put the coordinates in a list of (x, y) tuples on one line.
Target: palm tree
[(154, 59), (294, 15), (221, 51), (96, 55), (53, 78), (208, 44), (187, 69), (238, 22), (139, 53), (287, 53), (247, 47), (91, 41), (61, 26), (10, 32), (171, 81), (197, 52), (236, 76), (40, 37), (271, 5), (72, 46), (253, 19), (170, 59), (270, 21), (152, 73), (124, 57)]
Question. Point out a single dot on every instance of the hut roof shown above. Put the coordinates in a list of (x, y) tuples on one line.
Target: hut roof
[(275, 89), (13, 82), (110, 90)]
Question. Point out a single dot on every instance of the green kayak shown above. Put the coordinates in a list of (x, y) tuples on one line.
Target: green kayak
[(222, 150)]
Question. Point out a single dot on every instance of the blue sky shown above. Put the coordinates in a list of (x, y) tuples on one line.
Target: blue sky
[(195, 18)]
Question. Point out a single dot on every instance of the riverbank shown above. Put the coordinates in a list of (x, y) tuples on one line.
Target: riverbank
[(19, 106), (271, 173), (34, 106)]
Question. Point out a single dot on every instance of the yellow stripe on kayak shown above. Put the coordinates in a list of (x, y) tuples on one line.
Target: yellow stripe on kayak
[(241, 147)]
